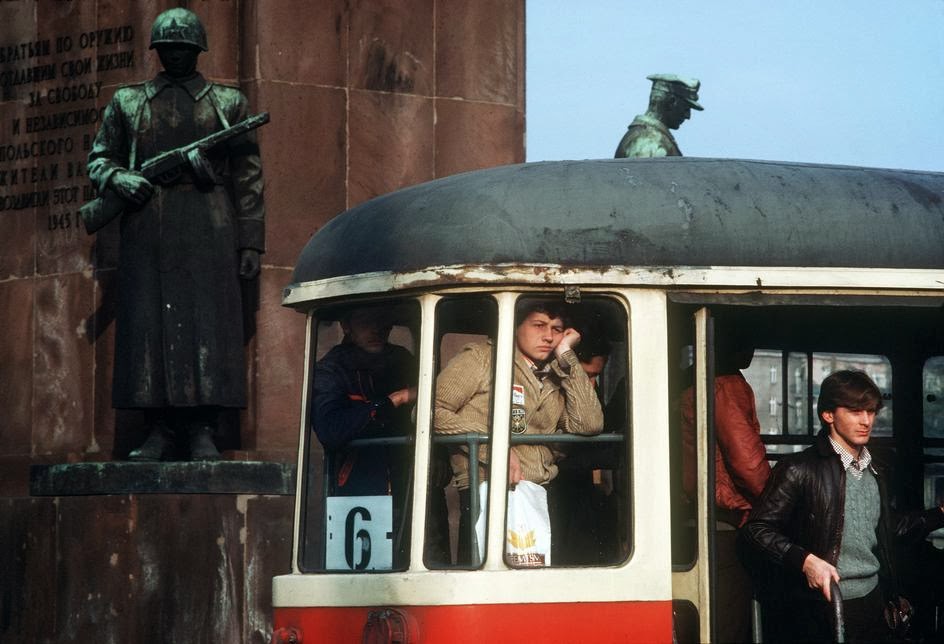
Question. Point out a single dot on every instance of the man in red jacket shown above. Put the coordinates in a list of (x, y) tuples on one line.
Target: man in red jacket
[(741, 471)]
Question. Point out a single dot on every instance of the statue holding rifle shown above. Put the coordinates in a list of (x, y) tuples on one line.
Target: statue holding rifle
[(191, 226)]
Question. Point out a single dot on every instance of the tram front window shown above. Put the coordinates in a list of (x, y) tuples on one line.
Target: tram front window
[(466, 329), (568, 360), (567, 424), (359, 466), (581, 401)]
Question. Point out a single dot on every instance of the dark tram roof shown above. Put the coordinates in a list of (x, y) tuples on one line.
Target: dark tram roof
[(642, 212)]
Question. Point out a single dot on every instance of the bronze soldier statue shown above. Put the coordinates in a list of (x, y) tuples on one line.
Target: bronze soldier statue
[(187, 237), (670, 104)]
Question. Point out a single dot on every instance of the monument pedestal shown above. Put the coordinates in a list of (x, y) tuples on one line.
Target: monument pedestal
[(199, 477)]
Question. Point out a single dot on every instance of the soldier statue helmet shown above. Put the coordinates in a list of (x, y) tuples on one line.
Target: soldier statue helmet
[(179, 27), (671, 102)]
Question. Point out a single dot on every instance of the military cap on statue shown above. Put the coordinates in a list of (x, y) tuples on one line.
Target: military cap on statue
[(686, 88)]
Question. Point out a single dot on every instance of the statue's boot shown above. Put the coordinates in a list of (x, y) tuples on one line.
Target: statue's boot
[(158, 446), (202, 447)]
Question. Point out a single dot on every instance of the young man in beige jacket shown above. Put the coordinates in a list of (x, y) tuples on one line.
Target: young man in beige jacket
[(550, 394)]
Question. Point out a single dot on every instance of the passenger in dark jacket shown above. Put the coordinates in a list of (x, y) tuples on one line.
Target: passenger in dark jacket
[(825, 517), (364, 388)]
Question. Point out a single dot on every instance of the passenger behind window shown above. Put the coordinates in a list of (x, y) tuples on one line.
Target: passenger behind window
[(365, 388), (550, 393), (741, 471), (585, 516)]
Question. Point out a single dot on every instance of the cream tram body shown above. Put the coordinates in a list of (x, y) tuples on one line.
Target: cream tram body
[(668, 242)]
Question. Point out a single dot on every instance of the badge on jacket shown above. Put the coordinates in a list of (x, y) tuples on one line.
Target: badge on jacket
[(518, 424), (517, 395)]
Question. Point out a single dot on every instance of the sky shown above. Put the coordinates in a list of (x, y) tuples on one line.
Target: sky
[(850, 82)]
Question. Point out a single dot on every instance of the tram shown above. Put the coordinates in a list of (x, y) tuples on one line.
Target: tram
[(824, 267)]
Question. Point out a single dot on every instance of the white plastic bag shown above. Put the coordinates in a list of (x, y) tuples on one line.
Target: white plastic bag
[(528, 533), (480, 521)]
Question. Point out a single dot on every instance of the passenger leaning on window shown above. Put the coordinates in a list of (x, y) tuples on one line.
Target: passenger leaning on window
[(550, 393)]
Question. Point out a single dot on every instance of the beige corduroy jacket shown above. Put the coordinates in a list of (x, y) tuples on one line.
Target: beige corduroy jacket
[(565, 402)]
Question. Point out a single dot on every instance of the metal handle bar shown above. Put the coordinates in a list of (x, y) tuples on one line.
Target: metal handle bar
[(839, 626), (520, 439)]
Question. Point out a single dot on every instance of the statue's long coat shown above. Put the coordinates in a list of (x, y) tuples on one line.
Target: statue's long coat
[(179, 336)]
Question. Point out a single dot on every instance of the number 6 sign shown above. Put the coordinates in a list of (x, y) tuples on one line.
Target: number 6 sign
[(358, 533)]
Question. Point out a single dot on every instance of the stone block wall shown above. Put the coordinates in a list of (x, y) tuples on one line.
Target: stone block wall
[(365, 96)]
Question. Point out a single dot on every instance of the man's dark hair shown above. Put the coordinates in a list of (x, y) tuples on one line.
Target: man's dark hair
[(591, 347), (850, 389), (593, 341), (549, 308)]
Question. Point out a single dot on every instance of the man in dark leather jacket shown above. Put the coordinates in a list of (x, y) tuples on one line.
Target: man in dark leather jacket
[(825, 516)]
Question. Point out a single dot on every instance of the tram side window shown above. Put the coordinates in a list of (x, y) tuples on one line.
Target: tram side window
[(465, 351), (933, 377), (568, 421), (361, 416), (786, 387)]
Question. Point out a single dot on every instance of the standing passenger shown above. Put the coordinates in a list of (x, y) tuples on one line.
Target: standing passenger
[(825, 517), (364, 388), (741, 471)]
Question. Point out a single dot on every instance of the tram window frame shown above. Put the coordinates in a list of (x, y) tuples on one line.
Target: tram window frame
[(619, 363), (325, 335), (608, 315), (933, 392), (479, 325)]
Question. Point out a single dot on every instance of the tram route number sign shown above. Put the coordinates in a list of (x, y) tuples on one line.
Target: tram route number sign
[(359, 533)]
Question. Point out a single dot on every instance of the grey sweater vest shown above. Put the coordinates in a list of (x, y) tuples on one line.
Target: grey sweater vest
[(858, 566)]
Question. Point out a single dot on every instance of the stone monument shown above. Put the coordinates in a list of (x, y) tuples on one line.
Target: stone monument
[(190, 230), (365, 97)]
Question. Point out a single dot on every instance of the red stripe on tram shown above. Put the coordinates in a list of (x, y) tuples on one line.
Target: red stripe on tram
[(594, 622)]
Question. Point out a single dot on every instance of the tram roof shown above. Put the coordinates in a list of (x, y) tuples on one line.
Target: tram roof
[(678, 211)]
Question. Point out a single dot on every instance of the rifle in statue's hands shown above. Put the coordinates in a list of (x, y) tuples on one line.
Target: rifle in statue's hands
[(193, 156)]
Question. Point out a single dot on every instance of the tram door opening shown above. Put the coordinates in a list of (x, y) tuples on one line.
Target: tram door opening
[(792, 345)]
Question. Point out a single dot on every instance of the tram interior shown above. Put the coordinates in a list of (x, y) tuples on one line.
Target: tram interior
[(797, 341)]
